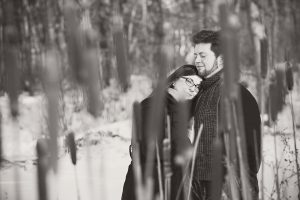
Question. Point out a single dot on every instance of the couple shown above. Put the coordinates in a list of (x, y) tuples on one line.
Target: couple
[(203, 100)]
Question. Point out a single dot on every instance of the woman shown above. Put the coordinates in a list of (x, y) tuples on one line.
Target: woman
[(182, 87)]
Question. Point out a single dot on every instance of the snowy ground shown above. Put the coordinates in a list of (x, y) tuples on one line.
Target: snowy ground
[(100, 172), (101, 168)]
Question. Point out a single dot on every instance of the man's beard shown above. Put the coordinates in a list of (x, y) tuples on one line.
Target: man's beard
[(204, 72)]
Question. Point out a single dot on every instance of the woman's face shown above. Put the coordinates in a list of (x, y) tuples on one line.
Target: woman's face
[(187, 87)]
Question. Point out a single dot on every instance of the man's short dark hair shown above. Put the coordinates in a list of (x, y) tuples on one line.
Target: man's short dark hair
[(208, 36)]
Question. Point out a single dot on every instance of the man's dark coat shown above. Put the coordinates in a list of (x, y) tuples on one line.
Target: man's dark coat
[(207, 108)]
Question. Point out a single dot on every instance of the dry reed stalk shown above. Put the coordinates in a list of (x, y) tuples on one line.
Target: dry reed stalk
[(232, 97), (0, 140), (290, 83), (231, 73), (196, 144), (11, 44), (184, 182), (217, 171), (289, 77), (183, 152), (276, 166), (230, 51), (273, 98), (159, 172), (156, 119), (154, 133), (262, 108), (85, 40), (12, 64), (166, 58), (136, 131), (73, 154), (136, 124), (167, 168), (263, 74), (295, 143), (0, 145), (91, 64), (234, 193), (224, 125), (167, 159), (95, 105), (16, 137), (74, 42), (241, 150), (72, 147), (42, 165), (276, 96), (51, 80), (281, 86), (277, 93), (263, 57), (121, 52)]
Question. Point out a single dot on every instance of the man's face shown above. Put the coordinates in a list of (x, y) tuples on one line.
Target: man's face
[(205, 59)]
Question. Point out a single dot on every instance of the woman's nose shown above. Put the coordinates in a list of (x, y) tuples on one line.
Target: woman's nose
[(192, 89)]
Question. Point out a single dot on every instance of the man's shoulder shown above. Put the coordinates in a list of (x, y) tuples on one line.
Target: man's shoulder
[(245, 92), (249, 101)]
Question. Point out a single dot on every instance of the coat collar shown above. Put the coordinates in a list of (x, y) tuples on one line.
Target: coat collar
[(207, 82)]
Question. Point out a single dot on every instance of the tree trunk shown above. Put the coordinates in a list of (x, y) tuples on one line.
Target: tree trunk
[(11, 36), (158, 40), (197, 17), (103, 22), (274, 34), (1, 49), (295, 7)]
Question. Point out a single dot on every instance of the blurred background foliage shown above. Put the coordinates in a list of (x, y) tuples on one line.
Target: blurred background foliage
[(31, 25)]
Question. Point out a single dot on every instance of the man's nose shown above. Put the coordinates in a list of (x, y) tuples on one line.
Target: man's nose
[(198, 59)]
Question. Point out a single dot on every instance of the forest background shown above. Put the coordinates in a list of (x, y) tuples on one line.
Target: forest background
[(118, 48)]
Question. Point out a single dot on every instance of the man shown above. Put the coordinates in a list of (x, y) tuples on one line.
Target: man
[(209, 63)]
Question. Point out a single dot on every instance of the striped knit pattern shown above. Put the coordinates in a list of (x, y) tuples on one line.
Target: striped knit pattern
[(206, 114)]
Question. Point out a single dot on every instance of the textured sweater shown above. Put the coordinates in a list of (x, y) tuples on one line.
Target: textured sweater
[(206, 113), (206, 106)]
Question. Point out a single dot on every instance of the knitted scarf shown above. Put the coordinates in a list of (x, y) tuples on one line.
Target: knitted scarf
[(206, 106)]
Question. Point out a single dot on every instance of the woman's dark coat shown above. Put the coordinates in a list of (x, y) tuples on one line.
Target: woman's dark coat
[(179, 116)]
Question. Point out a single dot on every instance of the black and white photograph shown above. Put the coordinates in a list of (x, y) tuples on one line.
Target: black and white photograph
[(149, 99)]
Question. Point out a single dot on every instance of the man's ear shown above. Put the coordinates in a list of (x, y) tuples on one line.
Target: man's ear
[(220, 61)]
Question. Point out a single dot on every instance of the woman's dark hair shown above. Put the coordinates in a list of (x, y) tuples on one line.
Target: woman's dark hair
[(184, 70)]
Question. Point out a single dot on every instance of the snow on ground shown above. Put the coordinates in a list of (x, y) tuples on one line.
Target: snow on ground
[(100, 172), (102, 167), (287, 169)]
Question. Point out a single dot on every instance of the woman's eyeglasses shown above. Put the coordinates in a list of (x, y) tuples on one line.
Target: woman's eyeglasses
[(191, 83)]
